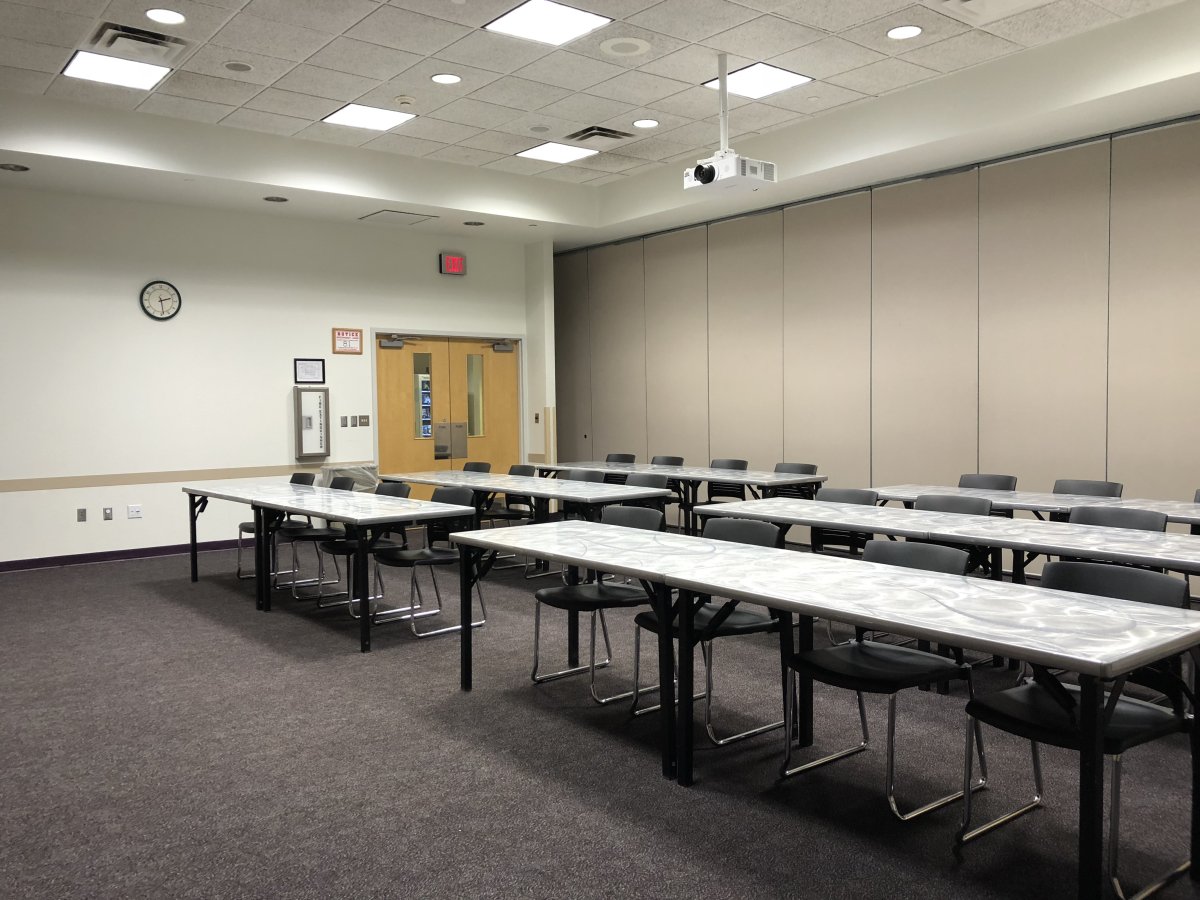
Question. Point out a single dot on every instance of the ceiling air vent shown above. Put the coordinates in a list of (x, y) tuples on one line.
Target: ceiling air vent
[(983, 12), (395, 217), (598, 131), (151, 47)]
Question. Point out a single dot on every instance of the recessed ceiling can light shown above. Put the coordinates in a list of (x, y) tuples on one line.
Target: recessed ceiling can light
[(904, 32), (759, 80), (624, 46), (557, 153), (445, 78), (473, 224), (13, 167), (646, 123), (166, 16), (276, 199), (235, 66), (357, 116), (547, 22), (111, 70)]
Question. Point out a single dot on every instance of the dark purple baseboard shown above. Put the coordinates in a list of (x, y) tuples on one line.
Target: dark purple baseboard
[(49, 562)]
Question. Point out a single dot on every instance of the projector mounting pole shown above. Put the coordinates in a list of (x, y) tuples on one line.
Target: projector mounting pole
[(723, 89)]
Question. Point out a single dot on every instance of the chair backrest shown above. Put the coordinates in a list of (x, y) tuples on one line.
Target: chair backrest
[(861, 496), (678, 461), (647, 480), (927, 557), (990, 482), (621, 458), (1118, 517), (523, 470), (303, 477), (1088, 488), (634, 517), (582, 475), (477, 467), (743, 531), (393, 489), (954, 503), (342, 483), (1120, 582), (740, 464), (457, 495), (440, 529), (796, 468)]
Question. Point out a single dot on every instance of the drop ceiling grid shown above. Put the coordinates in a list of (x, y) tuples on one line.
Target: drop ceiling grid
[(309, 57)]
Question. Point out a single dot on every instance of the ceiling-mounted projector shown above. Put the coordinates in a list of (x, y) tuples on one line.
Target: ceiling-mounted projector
[(725, 169)]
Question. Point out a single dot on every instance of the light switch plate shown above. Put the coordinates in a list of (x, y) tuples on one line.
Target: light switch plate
[(345, 421), (354, 421)]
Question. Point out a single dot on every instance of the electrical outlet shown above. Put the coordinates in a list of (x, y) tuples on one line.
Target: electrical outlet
[(536, 418), (81, 515), (364, 420), (354, 421), (108, 514), (135, 510)]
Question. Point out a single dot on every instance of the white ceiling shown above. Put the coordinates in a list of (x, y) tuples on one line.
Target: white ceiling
[(878, 109)]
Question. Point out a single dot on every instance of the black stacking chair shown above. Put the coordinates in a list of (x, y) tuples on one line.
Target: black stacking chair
[(595, 597), (512, 507), (437, 551), (714, 620), (648, 480), (345, 548), (967, 506), (718, 489), (991, 483), (1043, 710), (1119, 517), (1085, 487), (281, 533), (853, 541), (572, 510), (800, 491), (673, 484), (315, 535), (618, 477), (484, 467), (868, 667)]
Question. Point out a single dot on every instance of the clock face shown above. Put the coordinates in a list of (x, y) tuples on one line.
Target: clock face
[(161, 300)]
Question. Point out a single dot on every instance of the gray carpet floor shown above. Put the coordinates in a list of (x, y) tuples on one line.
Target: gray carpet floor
[(163, 739)]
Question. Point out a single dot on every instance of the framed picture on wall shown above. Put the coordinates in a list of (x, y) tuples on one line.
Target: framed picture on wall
[(308, 371), (347, 340)]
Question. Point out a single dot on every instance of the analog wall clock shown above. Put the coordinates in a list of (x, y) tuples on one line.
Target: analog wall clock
[(161, 300)]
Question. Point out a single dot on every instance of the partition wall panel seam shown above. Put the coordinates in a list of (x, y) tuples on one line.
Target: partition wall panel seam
[(1108, 317)]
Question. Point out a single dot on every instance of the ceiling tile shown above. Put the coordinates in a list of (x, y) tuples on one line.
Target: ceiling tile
[(1051, 23), (692, 20), (586, 108), (694, 64), (345, 54), (399, 143), (184, 108), (1133, 7), (883, 76), (519, 165), (405, 30), (206, 87), (20, 54), (475, 13), (569, 70), (814, 97), (758, 117), (519, 94), (831, 56), (24, 81), (666, 121), (306, 79), (329, 16), (612, 176), (702, 134), (614, 9), (638, 87), (43, 26), (593, 44), (763, 38), (427, 96), (569, 173), (835, 15), (90, 8), (211, 58), (499, 142), (934, 27), (555, 128), (960, 51), (497, 52), (94, 92), (290, 103), (433, 129), (336, 134), (466, 111), (466, 156), (696, 103), (203, 20), (278, 39), (271, 123), (655, 148), (227, 4)]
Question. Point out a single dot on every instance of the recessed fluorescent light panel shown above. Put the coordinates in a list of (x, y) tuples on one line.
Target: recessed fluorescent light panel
[(166, 16), (557, 153), (904, 32), (372, 117), (111, 70), (759, 80), (547, 22)]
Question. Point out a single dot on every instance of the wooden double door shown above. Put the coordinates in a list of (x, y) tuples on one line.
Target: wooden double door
[(444, 401)]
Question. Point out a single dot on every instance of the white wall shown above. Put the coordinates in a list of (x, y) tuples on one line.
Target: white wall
[(99, 390)]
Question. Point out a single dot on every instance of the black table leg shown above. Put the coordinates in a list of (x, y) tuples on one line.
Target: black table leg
[(787, 647), (687, 653), (1019, 561), (666, 679), (467, 557), (262, 564), (196, 506), (996, 563), (1091, 789), (804, 684), (362, 584), (1194, 736)]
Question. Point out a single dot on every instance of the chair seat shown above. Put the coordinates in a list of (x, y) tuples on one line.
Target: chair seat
[(349, 548), (740, 621), (875, 668), (1029, 711), (316, 534), (422, 556), (506, 512), (592, 596)]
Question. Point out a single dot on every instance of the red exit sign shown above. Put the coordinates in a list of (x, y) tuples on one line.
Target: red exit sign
[(452, 264)]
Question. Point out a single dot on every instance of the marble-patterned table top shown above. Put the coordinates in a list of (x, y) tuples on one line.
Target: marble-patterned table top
[(351, 507), (1152, 548), (1092, 635), (694, 473), (530, 486), (1183, 511)]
